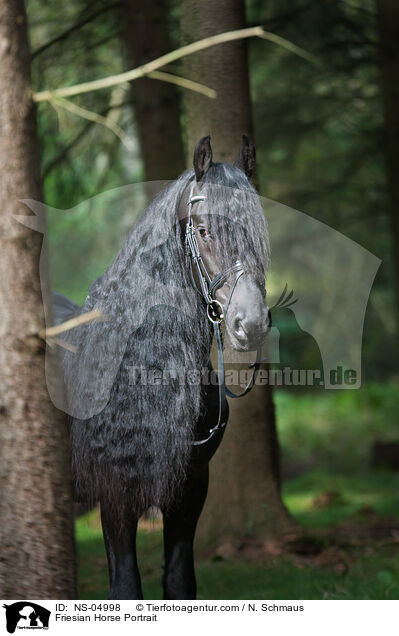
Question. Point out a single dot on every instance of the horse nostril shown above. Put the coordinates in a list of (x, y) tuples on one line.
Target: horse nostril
[(252, 329), (238, 327), (269, 322)]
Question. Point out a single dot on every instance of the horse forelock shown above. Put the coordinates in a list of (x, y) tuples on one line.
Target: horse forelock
[(236, 216)]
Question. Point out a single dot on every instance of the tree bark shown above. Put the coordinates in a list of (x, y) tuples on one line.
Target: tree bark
[(388, 24), (244, 494), (224, 68), (156, 104), (37, 548)]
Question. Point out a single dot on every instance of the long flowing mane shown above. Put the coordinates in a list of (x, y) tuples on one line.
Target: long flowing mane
[(131, 438)]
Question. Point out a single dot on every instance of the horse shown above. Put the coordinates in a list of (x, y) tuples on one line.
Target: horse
[(143, 432)]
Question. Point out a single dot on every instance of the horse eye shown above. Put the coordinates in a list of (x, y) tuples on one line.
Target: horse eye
[(203, 232)]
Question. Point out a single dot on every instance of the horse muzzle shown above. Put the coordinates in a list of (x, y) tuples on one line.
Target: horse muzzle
[(248, 319)]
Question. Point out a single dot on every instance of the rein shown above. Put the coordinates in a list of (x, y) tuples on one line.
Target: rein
[(215, 312)]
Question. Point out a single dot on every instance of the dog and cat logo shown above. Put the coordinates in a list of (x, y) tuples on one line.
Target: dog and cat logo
[(26, 615)]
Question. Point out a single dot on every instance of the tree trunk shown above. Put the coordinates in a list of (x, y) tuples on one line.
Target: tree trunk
[(224, 68), (156, 103), (388, 23), (37, 558), (244, 495)]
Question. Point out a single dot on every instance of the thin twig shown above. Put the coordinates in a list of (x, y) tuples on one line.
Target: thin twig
[(189, 49), (50, 332), (95, 117), (62, 124), (85, 129), (59, 104), (62, 343), (293, 48), (184, 83)]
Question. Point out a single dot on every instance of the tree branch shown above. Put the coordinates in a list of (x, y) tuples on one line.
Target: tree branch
[(189, 49)]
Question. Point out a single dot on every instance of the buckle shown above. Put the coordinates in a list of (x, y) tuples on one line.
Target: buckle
[(215, 311)]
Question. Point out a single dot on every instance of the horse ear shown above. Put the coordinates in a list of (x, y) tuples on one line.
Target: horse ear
[(247, 157), (202, 157)]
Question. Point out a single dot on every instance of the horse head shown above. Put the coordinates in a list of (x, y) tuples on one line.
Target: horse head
[(225, 239)]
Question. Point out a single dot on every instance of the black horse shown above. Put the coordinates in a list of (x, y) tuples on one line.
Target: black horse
[(146, 416)]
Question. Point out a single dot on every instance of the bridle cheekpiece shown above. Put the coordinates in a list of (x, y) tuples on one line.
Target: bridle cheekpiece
[(214, 309)]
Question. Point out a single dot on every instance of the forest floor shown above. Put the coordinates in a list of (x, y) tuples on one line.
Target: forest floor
[(349, 548), (348, 514)]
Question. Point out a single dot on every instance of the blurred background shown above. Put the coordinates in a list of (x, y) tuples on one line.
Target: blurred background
[(326, 134)]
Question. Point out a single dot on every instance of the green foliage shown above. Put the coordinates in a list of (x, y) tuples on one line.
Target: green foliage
[(80, 159), (319, 134), (84, 241), (335, 429), (318, 129)]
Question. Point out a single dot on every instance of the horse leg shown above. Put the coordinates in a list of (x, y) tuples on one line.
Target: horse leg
[(120, 544), (180, 523)]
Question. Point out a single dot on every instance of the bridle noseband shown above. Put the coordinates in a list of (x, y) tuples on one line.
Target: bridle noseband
[(215, 310)]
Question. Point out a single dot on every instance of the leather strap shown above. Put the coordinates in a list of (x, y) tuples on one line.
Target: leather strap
[(208, 289), (222, 415), (223, 390)]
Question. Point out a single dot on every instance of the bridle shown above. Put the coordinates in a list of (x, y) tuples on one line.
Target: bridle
[(214, 310)]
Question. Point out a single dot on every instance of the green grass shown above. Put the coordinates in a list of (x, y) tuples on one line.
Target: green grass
[(93, 573), (369, 578), (371, 573), (357, 495), (374, 576)]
